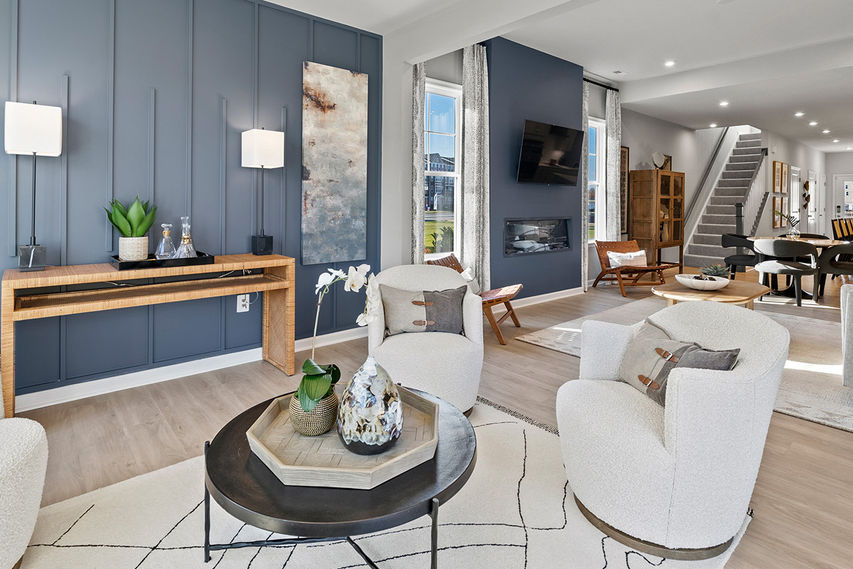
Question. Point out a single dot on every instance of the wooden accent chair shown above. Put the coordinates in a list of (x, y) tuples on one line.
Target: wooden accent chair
[(631, 274), (490, 298)]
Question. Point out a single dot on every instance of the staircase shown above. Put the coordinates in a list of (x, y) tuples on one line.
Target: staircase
[(718, 217)]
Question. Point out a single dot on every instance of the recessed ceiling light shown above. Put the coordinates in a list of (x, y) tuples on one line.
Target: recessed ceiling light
[(712, 125), (835, 140), (850, 148), (669, 63), (724, 103), (813, 123), (798, 114), (826, 131)]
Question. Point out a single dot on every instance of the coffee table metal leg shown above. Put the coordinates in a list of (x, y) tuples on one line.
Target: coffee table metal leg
[(206, 513), (434, 515), (361, 552)]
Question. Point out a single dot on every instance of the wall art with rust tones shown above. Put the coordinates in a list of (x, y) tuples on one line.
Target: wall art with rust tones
[(334, 164)]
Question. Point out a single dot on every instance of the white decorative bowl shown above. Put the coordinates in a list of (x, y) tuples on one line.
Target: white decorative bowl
[(698, 284)]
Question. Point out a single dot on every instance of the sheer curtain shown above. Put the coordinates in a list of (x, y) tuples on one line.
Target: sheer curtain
[(585, 190), (474, 213), (418, 105), (613, 116)]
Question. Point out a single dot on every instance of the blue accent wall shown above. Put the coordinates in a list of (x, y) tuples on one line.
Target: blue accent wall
[(155, 94), (526, 84)]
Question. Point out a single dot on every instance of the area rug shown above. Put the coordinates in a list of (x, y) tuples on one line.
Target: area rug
[(811, 386), (515, 512)]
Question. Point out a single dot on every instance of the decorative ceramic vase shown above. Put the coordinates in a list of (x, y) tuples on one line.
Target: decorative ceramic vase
[(370, 418), (315, 422), (133, 248)]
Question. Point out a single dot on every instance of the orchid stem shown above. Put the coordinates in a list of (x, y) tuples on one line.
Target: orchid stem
[(316, 320)]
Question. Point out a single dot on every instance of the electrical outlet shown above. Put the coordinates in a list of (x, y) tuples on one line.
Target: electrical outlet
[(242, 303)]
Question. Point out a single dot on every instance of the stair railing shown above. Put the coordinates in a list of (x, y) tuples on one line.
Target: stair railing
[(754, 201), (704, 179)]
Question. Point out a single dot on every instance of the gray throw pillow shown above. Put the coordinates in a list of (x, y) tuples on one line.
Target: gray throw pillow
[(423, 311), (648, 362)]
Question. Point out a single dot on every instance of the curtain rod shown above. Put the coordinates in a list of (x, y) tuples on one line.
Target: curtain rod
[(602, 85)]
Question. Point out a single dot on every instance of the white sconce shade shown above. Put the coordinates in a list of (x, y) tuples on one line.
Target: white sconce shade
[(33, 129), (262, 149)]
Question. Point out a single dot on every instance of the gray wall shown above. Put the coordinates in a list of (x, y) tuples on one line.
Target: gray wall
[(528, 84), (155, 95)]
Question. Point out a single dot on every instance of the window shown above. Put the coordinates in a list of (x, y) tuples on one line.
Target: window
[(443, 167), (596, 178)]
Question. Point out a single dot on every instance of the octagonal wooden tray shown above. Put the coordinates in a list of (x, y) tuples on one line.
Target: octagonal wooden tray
[(299, 460)]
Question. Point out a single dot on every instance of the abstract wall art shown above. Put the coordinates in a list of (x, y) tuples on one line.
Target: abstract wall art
[(334, 164)]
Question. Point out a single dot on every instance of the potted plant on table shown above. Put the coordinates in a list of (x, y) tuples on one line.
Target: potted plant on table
[(132, 223), (314, 407), (792, 221)]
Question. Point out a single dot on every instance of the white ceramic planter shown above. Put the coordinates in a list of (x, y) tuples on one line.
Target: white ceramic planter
[(133, 248)]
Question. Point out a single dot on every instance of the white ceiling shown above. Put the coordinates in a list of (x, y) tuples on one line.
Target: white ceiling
[(769, 58), (378, 16)]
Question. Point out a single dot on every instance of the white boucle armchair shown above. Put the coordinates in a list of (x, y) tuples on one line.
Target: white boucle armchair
[(673, 481), (446, 365), (23, 462)]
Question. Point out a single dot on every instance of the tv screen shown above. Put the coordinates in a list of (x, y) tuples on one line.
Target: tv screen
[(550, 154)]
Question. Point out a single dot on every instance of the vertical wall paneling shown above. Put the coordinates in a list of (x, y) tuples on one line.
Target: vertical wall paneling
[(282, 213), (12, 212), (223, 172), (109, 193), (141, 120), (152, 140), (64, 85), (190, 44)]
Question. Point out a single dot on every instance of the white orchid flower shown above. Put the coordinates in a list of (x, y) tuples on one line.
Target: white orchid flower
[(362, 269), (355, 280), (324, 280), (363, 319), (337, 273)]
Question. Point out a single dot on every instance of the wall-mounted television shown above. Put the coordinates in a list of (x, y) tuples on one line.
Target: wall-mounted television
[(550, 154)]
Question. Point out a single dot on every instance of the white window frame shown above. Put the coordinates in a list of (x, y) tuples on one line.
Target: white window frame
[(601, 178), (453, 90)]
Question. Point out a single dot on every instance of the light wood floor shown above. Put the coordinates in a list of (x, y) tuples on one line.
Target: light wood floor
[(803, 499)]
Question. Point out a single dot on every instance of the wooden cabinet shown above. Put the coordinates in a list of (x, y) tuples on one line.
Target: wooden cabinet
[(656, 214)]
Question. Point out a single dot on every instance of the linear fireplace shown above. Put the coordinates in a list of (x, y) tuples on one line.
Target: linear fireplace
[(536, 235)]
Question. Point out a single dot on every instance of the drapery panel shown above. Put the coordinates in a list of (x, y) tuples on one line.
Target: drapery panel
[(474, 213), (585, 191), (613, 117), (418, 106)]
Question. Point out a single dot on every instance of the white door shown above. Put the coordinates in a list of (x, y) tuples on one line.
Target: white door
[(842, 191)]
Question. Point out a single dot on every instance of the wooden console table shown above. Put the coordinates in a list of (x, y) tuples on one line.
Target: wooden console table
[(277, 282)]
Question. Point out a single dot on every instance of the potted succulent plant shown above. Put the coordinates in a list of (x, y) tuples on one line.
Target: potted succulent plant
[(314, 408), (132, 224)]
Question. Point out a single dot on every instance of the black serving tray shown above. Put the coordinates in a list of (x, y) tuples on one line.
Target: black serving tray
[(153, 262)]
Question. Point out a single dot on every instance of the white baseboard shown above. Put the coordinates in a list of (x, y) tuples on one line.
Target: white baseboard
[(547, 297), (77, 391), (333, 338), (135, 379)]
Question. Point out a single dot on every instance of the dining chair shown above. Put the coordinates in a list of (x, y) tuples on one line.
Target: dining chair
[(835, 260), (788, 257), (738, 260)]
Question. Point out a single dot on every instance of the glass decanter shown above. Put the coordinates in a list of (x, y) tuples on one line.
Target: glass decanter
[(185, 249), (166, 248)]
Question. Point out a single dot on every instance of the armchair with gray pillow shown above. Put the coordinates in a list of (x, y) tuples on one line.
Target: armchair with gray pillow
[(445, 363)]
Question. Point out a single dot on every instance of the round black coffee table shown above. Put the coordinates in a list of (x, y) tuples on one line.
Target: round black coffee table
[(246, 489)]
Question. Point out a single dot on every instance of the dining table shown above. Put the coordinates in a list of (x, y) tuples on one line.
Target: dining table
[(788, 291)]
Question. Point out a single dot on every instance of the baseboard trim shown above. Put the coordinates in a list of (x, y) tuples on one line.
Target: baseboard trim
[(547, 297), (333, 338), (77, 391), (48, 397)]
